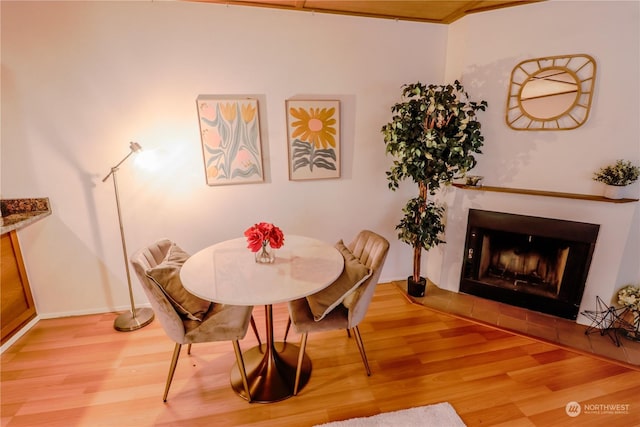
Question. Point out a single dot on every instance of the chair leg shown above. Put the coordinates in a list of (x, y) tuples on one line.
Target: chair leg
[(286, 331), (255, 331), (172, 369), (303, 344), (241, 368), (189, 349), (356, 332)]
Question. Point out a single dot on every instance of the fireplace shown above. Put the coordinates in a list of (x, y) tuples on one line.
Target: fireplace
[(536, 263)]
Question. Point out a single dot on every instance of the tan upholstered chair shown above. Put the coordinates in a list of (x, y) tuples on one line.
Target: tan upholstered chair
[(345, 311), (219, 322)]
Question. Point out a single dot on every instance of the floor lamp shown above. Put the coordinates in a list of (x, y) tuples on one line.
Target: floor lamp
[(136, 319)]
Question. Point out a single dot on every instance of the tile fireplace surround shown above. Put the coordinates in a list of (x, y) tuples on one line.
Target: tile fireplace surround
[(562, 332)]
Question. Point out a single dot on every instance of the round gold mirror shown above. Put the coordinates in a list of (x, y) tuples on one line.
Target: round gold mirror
[(551, 93)]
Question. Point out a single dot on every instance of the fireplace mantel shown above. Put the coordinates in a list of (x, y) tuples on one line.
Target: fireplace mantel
[(543, 193)]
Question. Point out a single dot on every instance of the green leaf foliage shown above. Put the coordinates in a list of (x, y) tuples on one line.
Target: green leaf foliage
[(421, 226), (622, 173), (433, 135)]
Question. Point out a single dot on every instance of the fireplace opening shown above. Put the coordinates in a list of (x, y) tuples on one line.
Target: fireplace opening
[(531, 262)]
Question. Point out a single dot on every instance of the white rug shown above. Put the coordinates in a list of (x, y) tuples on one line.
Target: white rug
[(438, 415)]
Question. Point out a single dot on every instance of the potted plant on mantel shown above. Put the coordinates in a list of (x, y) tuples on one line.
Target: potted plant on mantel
[(616, 177), (433, 135)]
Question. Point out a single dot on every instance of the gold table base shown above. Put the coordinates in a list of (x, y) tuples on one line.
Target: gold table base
[(271, 368), (271, 373)]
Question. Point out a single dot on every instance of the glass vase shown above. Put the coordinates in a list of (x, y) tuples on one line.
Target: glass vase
[(265, 255)]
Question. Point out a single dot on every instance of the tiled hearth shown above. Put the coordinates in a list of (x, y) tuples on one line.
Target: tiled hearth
[(563, 332)]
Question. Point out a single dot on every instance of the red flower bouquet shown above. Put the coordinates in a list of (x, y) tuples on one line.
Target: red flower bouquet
[(262, 234)]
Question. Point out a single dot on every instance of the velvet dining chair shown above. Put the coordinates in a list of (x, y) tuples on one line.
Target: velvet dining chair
[(185, 318), (344, 303)]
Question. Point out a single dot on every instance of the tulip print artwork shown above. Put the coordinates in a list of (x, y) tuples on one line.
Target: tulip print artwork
[(230, 134), (314, 139)]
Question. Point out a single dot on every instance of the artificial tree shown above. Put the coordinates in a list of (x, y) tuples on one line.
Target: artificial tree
[(433, 135)]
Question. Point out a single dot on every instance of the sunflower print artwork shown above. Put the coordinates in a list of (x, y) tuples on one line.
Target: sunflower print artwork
[(313, 137)]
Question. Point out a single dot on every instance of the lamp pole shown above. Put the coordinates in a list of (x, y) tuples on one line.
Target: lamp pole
[(136, 319)]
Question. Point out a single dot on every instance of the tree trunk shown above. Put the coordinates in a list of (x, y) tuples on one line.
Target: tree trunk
[(417, 247), (417, 253)]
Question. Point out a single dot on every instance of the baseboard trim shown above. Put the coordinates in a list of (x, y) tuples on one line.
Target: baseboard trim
[(19, 334)]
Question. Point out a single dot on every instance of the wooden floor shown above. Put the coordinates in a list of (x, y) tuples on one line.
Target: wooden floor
[(81, 372)]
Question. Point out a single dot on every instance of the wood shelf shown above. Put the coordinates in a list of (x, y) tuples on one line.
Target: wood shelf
[(543, 193)]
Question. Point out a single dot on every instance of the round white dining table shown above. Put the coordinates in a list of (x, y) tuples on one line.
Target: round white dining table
[(227, 273)]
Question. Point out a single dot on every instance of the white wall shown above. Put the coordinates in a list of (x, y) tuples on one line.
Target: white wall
[(82, 79), (482, 51)]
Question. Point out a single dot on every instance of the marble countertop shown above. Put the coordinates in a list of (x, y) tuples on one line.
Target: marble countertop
[(18, 213)]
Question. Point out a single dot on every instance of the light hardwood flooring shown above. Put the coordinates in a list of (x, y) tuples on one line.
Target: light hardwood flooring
[(79, 371)]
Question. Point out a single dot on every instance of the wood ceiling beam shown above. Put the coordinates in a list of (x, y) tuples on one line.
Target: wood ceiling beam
[(431, 11)]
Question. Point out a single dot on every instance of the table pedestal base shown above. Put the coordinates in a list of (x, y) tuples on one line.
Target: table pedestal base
[(271, 372)]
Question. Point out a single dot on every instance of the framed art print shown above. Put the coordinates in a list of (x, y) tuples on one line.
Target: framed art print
[(230, 136), (313, 135)]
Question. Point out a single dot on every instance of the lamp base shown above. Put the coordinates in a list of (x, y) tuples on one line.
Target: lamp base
[(126, 322)]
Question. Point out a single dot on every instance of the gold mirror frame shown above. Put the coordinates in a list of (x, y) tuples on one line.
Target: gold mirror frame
[(551, 93)]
